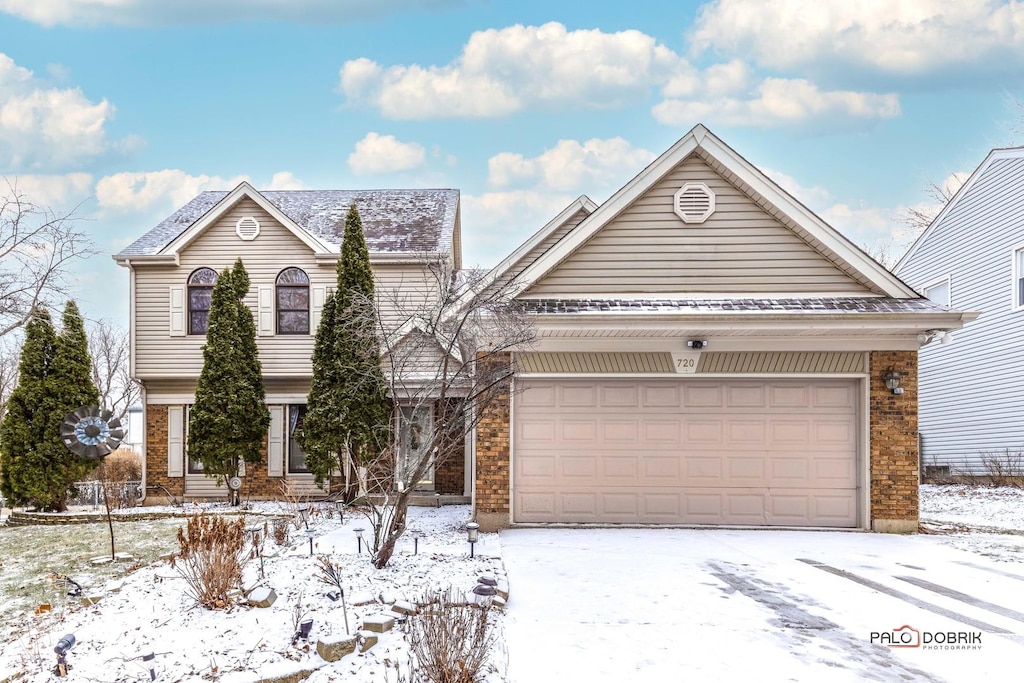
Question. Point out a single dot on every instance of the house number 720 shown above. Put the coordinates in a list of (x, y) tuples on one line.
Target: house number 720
[(685, 362)]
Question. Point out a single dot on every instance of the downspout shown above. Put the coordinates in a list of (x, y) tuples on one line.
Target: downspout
[(131, 373)]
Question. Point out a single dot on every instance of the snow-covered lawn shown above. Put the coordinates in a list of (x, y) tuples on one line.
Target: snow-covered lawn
[(595, 605), (152, 613)]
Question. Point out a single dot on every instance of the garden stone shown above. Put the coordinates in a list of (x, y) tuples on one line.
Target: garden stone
[(502, 588), (378, 623), (498, 602), (360, 598), (123, 557), (101, 560), (262, 597), (89, 600), (334, 648), (403, 607), (114, 586), (367, 639)]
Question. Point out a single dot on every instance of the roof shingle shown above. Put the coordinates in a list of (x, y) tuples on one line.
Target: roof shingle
[(394, 221)]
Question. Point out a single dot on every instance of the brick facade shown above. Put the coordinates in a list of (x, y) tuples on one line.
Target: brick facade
[(492, 462), (256, 484), (894, 444)]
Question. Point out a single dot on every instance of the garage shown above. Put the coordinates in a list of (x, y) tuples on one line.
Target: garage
[(763, 452)]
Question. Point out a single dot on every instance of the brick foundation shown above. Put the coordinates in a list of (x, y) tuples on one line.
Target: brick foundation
[(894, 444)]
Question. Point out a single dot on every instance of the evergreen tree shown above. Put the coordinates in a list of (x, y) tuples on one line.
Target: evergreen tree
[(55, 378), (229, 418), (348, 403)]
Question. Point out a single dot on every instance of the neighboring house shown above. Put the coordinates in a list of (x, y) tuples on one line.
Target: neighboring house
[(709, 351), (289, 242), (972, 257)]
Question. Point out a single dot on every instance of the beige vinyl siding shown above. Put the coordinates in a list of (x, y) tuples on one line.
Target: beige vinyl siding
[(161, 355), (740, 248)]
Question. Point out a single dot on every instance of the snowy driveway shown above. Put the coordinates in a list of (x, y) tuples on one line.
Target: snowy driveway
[(674, 604)]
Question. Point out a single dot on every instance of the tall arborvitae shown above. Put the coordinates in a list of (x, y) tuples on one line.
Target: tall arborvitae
[(348, 402), (321, 437), (73, 387), (229, 418), (54, 379), (23, 431)]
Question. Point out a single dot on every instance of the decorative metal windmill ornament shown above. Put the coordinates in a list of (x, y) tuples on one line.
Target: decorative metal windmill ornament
[(91, 432)]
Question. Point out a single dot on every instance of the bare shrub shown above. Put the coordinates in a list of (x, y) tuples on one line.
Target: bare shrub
[(450, 640), (114, 472), (280, 530), (211, 556), (1005, 467)]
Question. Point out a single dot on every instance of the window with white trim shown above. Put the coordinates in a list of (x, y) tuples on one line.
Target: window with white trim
[(200, 293), (292, 298), (1018, 278), (938, 292), (296, 456)]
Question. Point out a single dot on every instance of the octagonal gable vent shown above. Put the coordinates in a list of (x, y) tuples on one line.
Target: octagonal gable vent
[(247, 228), (694, 202)]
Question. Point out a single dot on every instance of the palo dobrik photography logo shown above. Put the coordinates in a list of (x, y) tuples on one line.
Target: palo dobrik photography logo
[(904, 636)]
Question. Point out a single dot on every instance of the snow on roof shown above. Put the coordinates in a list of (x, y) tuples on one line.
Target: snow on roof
[(394, 221), (824, 305)]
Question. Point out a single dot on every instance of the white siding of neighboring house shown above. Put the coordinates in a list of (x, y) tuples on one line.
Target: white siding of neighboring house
[(740, 248), (161, 355), (971, 391)]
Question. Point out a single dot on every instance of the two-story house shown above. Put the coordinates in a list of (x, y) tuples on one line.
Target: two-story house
[(289, 242), (972, 257), (709, 350)]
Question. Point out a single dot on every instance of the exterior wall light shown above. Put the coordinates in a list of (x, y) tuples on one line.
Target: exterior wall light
[(892, 381)]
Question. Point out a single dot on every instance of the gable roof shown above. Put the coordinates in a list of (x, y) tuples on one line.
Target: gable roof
[(993, 157), (395, 222), (723, 159)]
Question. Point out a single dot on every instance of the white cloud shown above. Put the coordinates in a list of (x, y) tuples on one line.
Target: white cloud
[(780, 101), (376, 154), (158, 12), (501, 71), (905, 38), (43, 127), (167, 189), (58, 192), (570, 165), (814, 198), (285, 180)]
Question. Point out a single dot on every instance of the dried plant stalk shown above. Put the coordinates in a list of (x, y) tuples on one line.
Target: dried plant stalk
[(450, 640), (211, 556)]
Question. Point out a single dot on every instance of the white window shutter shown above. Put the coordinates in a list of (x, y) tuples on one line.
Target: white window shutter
[(319, 296), (275, 442), (265, 326), (175, 441), (177, 311)]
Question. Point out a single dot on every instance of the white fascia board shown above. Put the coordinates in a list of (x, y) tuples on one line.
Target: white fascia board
[(725, 343), (701, 137), (612, 208), (995, 154), (330, 257), (132, 260), (831, 238), (244, 189), (581, 202)]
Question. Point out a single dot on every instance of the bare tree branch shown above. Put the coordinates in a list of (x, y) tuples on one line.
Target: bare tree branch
[(37, 245), (111, 370), (445, 344), (10, 356)]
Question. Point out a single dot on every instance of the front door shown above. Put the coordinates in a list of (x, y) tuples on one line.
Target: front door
[(415, 424)]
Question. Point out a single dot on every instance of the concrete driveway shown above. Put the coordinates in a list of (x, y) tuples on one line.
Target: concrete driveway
[(721, 605)]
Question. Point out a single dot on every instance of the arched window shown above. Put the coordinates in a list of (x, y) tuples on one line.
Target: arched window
[(200, 291), (292, 301)]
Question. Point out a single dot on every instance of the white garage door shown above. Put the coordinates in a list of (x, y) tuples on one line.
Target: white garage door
[(752, 452)]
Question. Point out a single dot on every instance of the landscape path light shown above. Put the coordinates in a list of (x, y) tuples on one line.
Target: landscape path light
[(339, 505), (310, 533), (304, 514), (359, 538), (472, 535), (416, 533)]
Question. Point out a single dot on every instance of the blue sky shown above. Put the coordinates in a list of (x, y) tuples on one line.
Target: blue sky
[(130, 107)]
